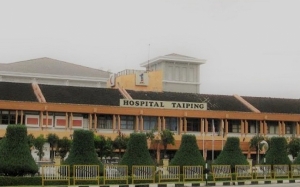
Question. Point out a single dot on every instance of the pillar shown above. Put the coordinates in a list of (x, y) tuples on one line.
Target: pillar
[(67, 120), (95, 121), (206, 126), (283, 128), (242, 127), (90, 121), (159, 124), (136, 125), (185, 125), (16, 117), (114, 122)]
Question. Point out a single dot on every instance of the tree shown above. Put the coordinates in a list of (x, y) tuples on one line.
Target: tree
[(104, 146), (188, 153), (63, 147), (137, 152), (39, 143), (83, 150), (30, 139), (52, 139), (15, 156), (120, 142), (167, 137), (231, 154), (294, 147), (255, 143), (277, 153), (164, 137)]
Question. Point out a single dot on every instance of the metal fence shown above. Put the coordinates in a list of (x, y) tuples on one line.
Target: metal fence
[(243, 171), (55, 173), (192, 173), (221, 172), (115, 172), (169, 173), (165, 174), (86, 173), (143, 173)]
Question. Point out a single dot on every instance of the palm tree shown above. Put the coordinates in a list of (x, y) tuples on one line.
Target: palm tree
[(164, 137), (167, 137), (120, 142), (255, 143), (52, 139)]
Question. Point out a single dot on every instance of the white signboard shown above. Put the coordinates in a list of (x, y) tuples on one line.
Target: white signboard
[(163, 104), (141, 79)]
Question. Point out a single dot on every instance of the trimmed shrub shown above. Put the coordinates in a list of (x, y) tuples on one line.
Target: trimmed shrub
[(277, 153), (15, 156), (188, 153), (231, 154), (137, 152), (83, 150)]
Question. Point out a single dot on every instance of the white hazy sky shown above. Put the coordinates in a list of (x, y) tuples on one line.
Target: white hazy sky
[(252, 47)]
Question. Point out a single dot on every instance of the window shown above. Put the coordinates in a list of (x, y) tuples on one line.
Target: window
[(104, 121), (191, 74), (213, 123), (289, 127), (183, 74), (253, 126), (193, 124), (7, 117), (272, 127), (127, 122), (150, 122), (234, 126), (171, 123), (176, 73)]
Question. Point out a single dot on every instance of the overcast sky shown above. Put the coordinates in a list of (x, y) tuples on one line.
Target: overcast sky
[(252, 47)]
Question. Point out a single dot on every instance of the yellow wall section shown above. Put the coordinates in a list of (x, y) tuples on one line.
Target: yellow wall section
[(128, 82)]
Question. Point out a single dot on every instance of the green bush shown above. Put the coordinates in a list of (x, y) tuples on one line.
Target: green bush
[(277, 153), (231, 154), (188, 153), (15, 156), (137, 152), (83, 150)]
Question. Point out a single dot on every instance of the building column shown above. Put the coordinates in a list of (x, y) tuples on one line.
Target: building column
[(180, 126), (67, 120), (246, 127), (159, 124), (164, 123), (141, 124), (90, 121), (279, 128), (119, 123), (95, 121), (22, 116), (41, 119), (114, 123), (226, 128), (261, 128), (16, 117), (206, 126), (136, 125), (185, 125), (47, 118), (283, 128), (242, 127), (265, 128), (201, 126), (297, 129), (71, 121)]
